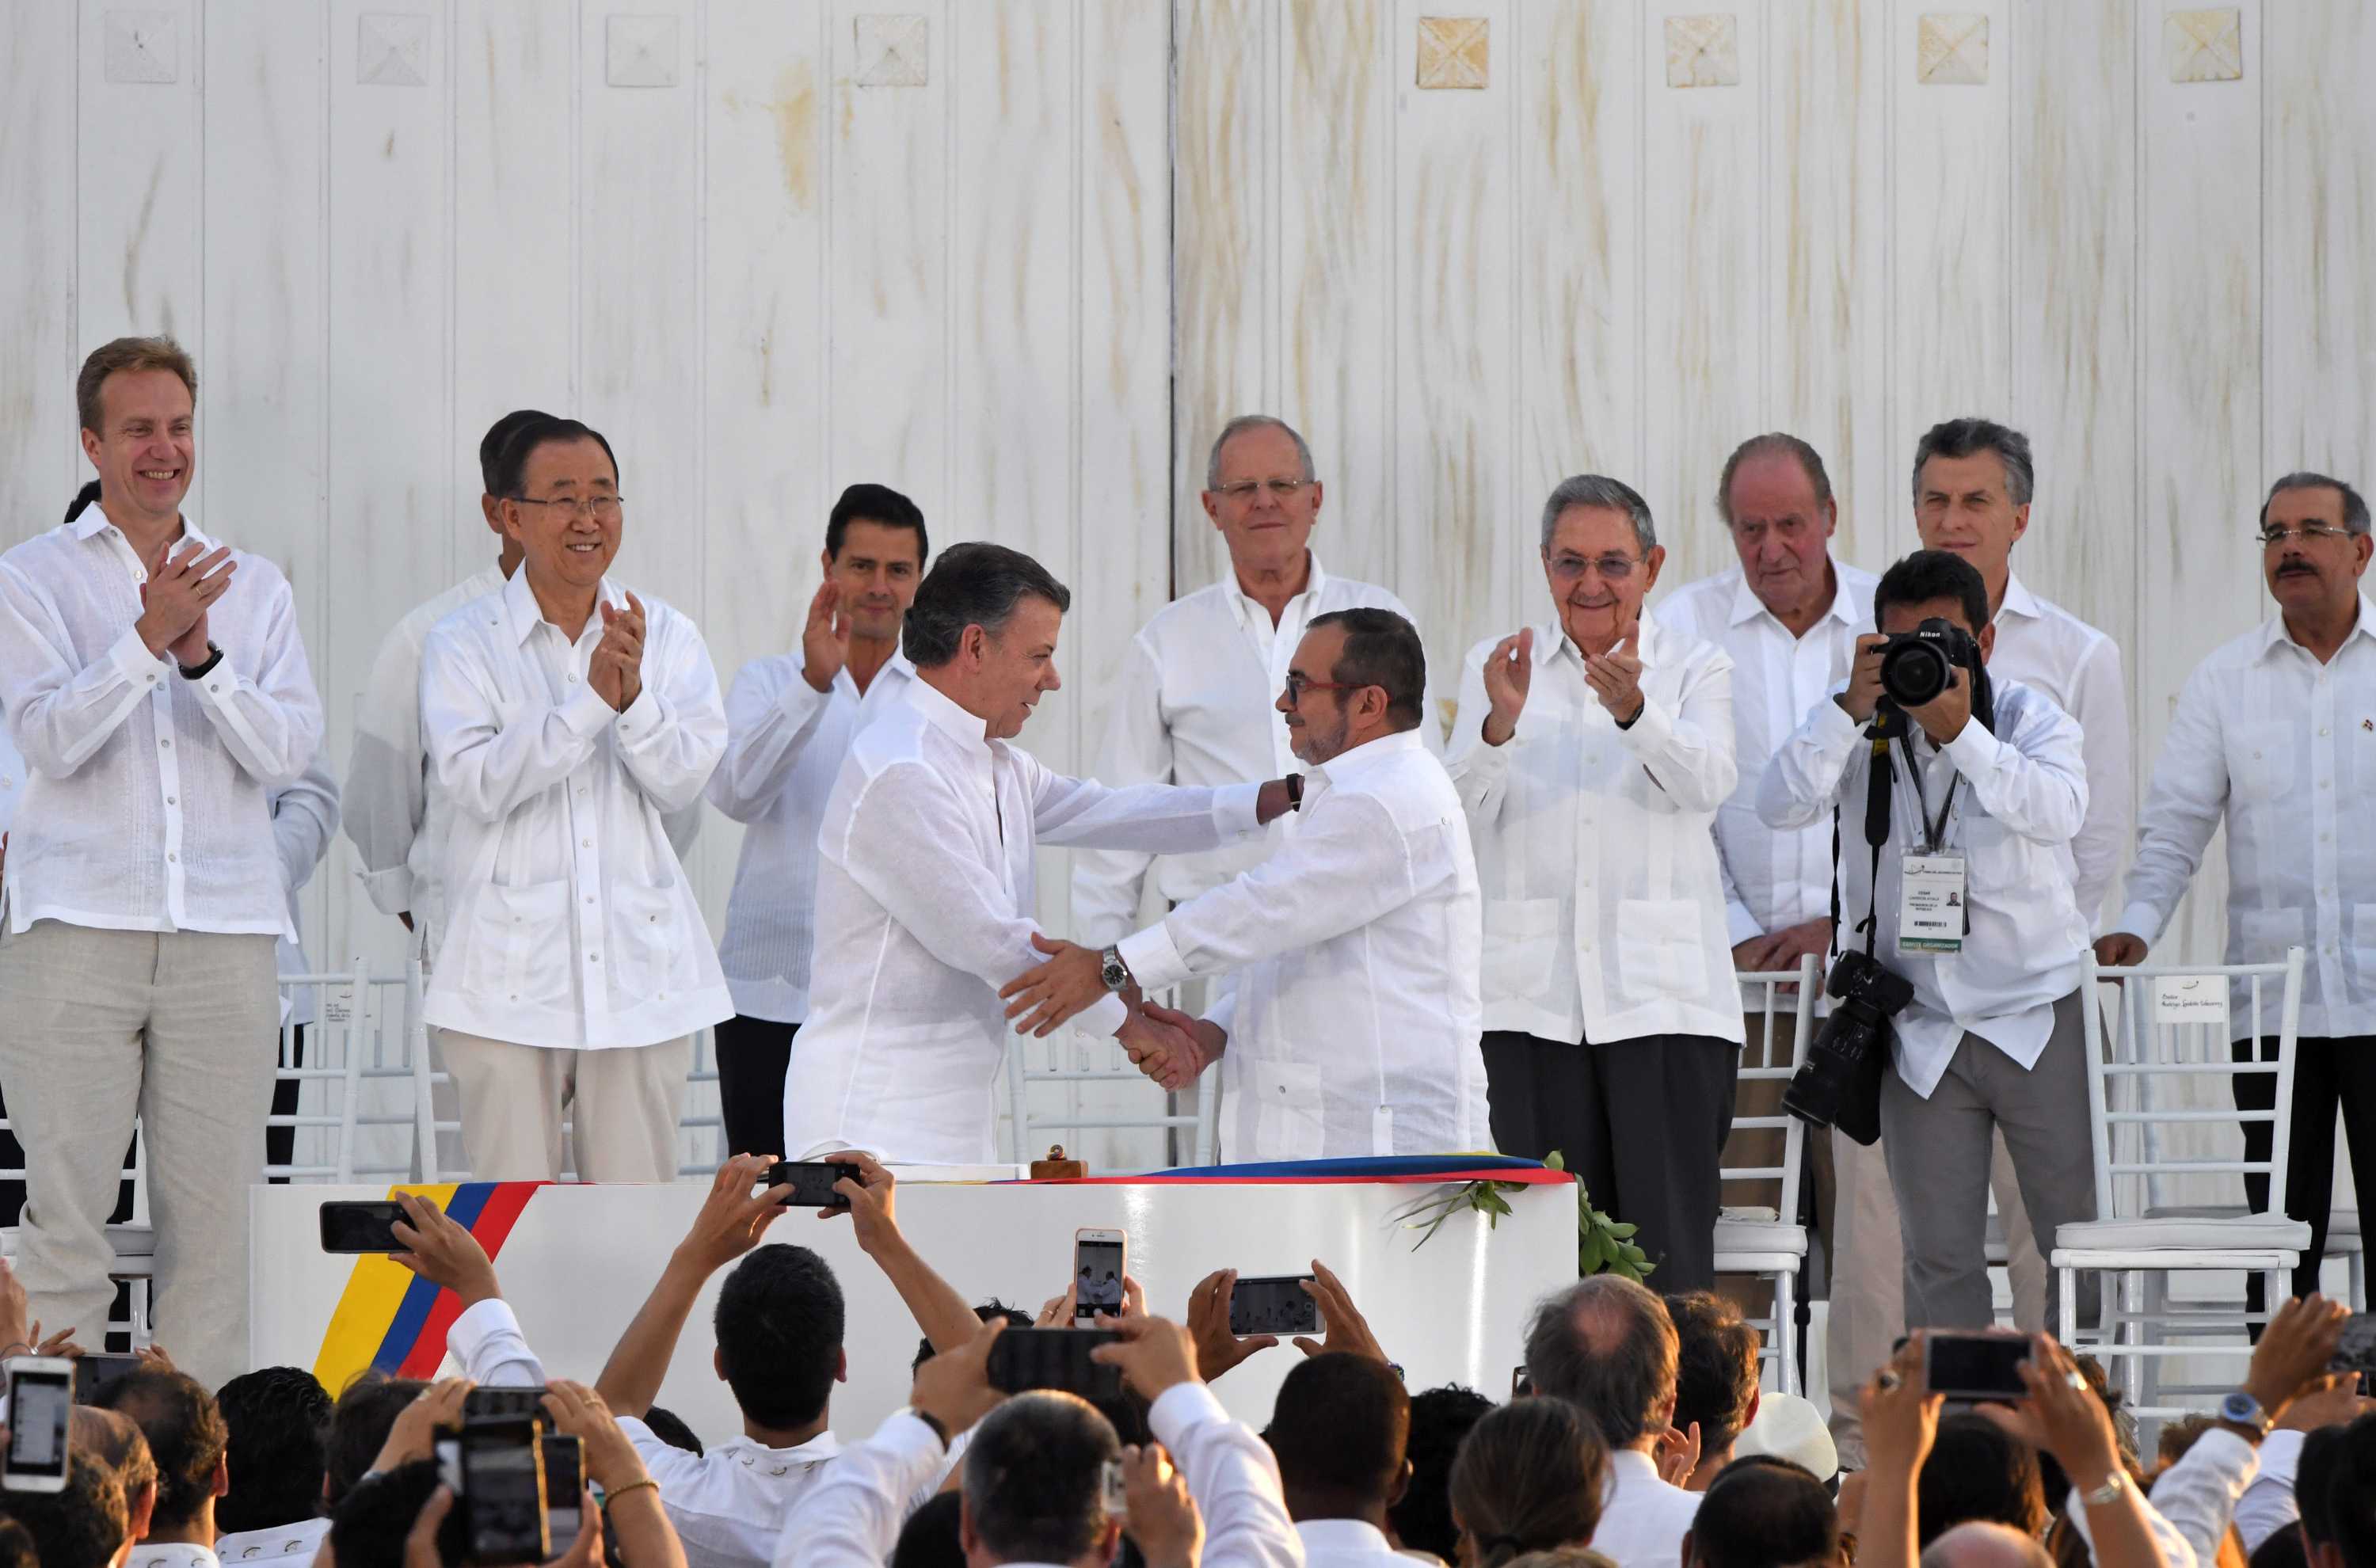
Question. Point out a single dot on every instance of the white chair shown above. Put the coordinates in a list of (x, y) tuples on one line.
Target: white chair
[(1769, 1243), (2139, 1115), (1067, 1060)]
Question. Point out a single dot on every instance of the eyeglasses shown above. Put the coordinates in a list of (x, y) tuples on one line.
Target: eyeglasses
[(603, 508), (1280, 489), (1298, 684), (2277, 534), (1613, 567)]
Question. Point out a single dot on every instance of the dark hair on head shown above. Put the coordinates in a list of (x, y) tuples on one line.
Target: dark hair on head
[(81, 1526), (84, 500), (1964, 438), (359, 1427), (875, 503), (2282, 1548), (1977, 1470), (990, 1311), (779, 1322), (1035, 1477), (1339, 1428), (510, 462), (975, 584), (1606, 1345), (1934, 574), (1440, 1418), (17, 1548), (2322, 1451), (1381, 649), (670, 1428), (185, 1435), (1529, 1478), (369, 1526), (1716, 1367), (2351, 1493), (1764, 1513), (933, 1536), (161, 352), (1777, 443), (491, 450), (2354, 506), (279, 1419)]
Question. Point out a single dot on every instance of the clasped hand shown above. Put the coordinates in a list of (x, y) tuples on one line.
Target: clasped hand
[(616, 670)]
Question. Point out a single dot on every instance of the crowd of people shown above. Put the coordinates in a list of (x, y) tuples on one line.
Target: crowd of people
[(1640, 1439), (1384, 941)]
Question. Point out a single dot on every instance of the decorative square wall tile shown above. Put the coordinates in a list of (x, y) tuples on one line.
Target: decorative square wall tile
[(1452, 52), (2205, 47), (641, 51), (391, 51), (894, 50), (144, 46), (1951, 50), (1703, 51)]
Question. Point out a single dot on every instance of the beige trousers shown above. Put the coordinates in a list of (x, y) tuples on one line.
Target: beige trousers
[(1868, 1303), (623, 1105), (178, 1028)]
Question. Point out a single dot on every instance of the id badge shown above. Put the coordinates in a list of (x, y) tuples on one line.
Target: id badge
[(1931, 912)]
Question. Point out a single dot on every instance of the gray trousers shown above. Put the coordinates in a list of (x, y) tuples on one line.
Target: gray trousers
[(95, 1027), (1939, 1153)]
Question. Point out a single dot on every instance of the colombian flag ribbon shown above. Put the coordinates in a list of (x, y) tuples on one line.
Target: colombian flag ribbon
[(392, 1321)]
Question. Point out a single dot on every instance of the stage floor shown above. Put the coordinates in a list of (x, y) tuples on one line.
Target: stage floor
[(576, 1261)]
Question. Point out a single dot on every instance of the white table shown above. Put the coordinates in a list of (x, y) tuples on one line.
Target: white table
[(579, 1260)]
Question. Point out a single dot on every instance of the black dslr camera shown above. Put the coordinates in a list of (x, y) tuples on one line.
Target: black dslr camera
[(1839, 1083), (1915, 668)]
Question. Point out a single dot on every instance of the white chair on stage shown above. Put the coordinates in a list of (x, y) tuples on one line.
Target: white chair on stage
[(2168, 1037), (1072, 1066), (1768, 1242)]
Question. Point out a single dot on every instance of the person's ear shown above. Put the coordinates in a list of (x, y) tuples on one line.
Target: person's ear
[(1756, 1398), (825, 562), (717, 1362), (223, 1477), (969, 1539), (91, 446), (1987, 640), (2021, 519), (1650, 564), (1401, 1489), (841, 1366)]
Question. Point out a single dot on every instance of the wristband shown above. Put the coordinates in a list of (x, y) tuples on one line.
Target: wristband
[(12, 1351), (196, 671), (932, 1421)]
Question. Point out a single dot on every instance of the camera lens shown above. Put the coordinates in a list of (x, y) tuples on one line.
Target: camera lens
[(1914, 672)]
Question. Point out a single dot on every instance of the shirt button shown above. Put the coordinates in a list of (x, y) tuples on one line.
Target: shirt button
[(589, 898), (171, 856), (169, 799), (586, 843), (572, 679), (593, 958), (165, 742)]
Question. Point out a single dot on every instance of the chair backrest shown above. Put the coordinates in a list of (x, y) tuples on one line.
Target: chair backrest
[(1074, 1070), (2162, 1072), (1781, 1025), (350, 1084)]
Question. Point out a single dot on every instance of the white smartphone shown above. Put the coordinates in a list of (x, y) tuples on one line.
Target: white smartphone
[(41, 1406), (1100, 1259)]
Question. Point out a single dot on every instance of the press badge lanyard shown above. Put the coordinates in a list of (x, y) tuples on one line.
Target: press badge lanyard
[(1933, 914)]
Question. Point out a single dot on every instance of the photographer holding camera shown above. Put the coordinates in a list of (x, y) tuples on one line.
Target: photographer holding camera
[(1967, 798)]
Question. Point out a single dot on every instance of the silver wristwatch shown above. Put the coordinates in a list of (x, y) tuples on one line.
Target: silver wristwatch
[(2241, 1410), (1115, 973)]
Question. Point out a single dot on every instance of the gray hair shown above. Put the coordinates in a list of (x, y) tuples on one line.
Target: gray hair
[(1243, 423), (1982, 1543), (1777, 443), (1035, 1477), (1601, 493), (975, 584), (1963, 437), (1606, 1345), (2355, 506)]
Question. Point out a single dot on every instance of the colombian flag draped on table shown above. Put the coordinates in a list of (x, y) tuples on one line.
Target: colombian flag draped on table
[(392, 1321), (1390, 1167)]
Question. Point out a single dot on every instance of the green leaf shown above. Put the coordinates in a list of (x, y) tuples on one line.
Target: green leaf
[(1552, 1161), (1623, 1231)]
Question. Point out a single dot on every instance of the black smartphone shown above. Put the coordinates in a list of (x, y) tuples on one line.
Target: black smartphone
[(95, 1374), (361, 1227), (497, 1472), (40, 1411), (811, 1181), (1521, 1385), (565, 1487), (1976, 1364), (1024, 1358), (1273, 1303), (2356, 1351), (496, 1401)]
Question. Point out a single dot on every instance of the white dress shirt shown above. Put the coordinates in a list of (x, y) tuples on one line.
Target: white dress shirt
[(1772, 879), (2268, 1504), (1604, 908), (1354, 1019), (924, 894), (1346, 1543), (2045, 647), (2283, 749), (147, 805), (2018, 801), (170, 1554), (389, 814), (1643, 1515), (303, 816), (294, 1544), (2192, 1503), (558, 847), (1193, 704), (784, 747)]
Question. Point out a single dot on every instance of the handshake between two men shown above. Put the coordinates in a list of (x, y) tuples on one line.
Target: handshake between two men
[(1170, 1047)]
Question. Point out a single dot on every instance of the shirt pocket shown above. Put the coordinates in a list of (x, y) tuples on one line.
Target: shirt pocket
[(1521, 935), (1659, 950), (652, 927), (2262, 935), (519, 944), (1289, 1120)]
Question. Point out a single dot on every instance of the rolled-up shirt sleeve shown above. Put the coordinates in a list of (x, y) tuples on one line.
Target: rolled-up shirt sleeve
[(772, 712)]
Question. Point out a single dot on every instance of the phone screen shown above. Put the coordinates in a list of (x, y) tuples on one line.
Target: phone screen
[(359, 1227), (39, 1406), (506, 1505), (811, 1181), (95, 1374), (1976, 1366), (564, 1488), (1024, 1358), (1097, 1278), (1273, 1304), (2356, 1351)]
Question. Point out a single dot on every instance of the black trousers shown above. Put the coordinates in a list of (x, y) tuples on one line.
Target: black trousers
[(1641, 1121), (280, 1142), (2335, 1071), (752, 1056)]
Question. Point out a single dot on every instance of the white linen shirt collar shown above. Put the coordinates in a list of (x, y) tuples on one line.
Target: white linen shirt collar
[(729, 1503), (1329, 1541), (1643, 1517), (296, 1544), (170, 1554)]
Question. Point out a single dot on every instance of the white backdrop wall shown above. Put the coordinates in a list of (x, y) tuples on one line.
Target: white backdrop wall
[(1019, 257)]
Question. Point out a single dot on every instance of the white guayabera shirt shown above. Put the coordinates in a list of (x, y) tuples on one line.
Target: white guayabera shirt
[(924, 891), (572, 925), (2045, 647)]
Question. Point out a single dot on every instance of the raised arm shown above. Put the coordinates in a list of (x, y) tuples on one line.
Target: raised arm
[(1807, 775), (485, 1337), (488, 762), (2033, 779), (1494, 680), (944, 1317), (772, 713)]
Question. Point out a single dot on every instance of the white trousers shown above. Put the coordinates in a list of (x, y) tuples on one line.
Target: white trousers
[(623, 1105)]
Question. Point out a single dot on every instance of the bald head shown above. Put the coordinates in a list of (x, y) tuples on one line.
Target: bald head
[(1980, 1545)]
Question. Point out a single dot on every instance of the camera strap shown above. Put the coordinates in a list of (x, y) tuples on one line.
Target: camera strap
[(1878, 783)]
